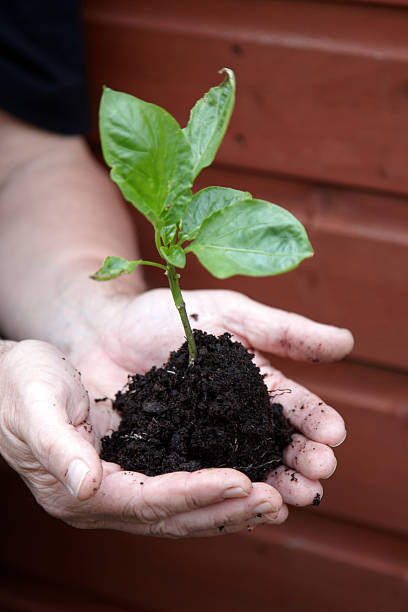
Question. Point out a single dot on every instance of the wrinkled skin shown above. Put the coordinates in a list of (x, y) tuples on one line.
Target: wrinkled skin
[(50, 429)]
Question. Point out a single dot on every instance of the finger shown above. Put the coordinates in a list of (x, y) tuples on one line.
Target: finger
[(305, 410), (122, 506), (55, 443), (285, 334), (136, 497), (262, 505), (295, 489), (312, 459), (248, 525)]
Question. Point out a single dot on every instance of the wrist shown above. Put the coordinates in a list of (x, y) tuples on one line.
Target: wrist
[(84, 309)]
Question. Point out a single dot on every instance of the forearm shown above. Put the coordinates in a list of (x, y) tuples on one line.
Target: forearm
[(57, 211)]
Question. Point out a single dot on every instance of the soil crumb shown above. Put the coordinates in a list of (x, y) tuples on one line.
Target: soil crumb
[(216, 413)]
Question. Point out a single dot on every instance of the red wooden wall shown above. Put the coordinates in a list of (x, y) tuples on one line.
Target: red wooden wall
[(321, 127)]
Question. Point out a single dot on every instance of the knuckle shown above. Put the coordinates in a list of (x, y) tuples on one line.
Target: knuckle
[(146, 512), (172, 530), (45, 444), (190, 497), (45, 392)]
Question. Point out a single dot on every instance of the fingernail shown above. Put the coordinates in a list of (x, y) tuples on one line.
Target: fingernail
[(76, 473), (333, 470), (271, 517), (234, 492), (264, 508), (338, 443)]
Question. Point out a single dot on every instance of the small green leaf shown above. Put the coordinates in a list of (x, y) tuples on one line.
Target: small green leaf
[(205, 203), (251, 237), (115, 266), (149, 155), (168, 233), (209, 120), (174, 254)]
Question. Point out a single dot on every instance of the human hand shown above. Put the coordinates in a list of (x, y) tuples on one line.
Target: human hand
[(46, 437), (143, 330)]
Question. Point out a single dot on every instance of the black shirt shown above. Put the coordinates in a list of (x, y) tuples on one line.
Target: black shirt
[(42, 64)]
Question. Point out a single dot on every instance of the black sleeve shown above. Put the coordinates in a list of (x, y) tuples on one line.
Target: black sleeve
[(42, 64)]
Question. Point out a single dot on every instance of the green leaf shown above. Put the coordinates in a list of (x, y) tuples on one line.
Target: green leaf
[(205, 203), (115, 266), (209, 120), (174, 254), (149, 155), (168, 233), (251, 237)]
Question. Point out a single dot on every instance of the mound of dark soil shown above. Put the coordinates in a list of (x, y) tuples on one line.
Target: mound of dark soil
[(216, 413)]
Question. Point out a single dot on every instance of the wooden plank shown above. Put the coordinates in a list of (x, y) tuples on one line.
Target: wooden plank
[(322, 86), (23, 593), (357, 278), (310, 564), (397, 3)]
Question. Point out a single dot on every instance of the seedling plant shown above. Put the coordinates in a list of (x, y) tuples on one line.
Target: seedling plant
[(154, 162)]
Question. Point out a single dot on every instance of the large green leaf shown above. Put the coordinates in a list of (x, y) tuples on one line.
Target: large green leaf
[(209, 120), (205, 203), (149, 155), (251, 237)]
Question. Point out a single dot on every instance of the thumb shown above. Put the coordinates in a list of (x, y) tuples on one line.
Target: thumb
[(54, 441)]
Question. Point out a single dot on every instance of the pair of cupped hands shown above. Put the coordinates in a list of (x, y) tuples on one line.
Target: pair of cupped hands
[(51, 426)]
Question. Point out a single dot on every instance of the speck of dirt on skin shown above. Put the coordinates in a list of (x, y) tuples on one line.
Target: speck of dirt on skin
[(302, 407), (221, 528), (259, 515), (194, 316), (63, 358), (142, 483), (293, 477), (317, 499)]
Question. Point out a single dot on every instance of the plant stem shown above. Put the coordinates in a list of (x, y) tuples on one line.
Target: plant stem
[(181, 307), (142, 262)]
